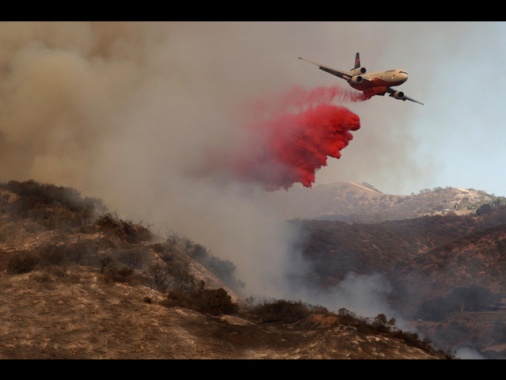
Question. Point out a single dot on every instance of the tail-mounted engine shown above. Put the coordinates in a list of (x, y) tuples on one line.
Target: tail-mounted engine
[(358, 71)]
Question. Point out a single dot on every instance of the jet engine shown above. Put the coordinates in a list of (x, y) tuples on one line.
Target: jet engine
[(358, 71), (398, 95), (356, 79)]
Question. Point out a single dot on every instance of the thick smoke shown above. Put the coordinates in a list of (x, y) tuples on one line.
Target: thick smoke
[(157, 119)]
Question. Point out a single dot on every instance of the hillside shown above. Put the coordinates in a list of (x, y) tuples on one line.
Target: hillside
[(447, 270), (363, 203), (77, 315), (80, 283)]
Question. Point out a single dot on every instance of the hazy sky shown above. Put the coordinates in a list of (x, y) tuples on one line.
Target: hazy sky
[(79, 76), (129, 112)]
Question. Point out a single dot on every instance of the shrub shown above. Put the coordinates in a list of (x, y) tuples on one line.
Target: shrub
[(22, 263), (132, 257), (223, 269), (211, 301), (215, 302), (132, 233), (282, 311), (42, 277), (160, 273), (346, 315), (105, 261), (381, 323), (470, 298), (79, 251), (116, 274), (53, 206), (51, 255)]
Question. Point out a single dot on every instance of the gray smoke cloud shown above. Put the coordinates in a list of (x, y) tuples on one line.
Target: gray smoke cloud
[(123, 111)]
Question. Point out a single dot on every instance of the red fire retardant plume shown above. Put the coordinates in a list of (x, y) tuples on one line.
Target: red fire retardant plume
[(297, 145), (300, 130)]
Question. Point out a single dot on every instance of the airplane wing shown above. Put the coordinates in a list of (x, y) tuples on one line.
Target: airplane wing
[(394, 93), (338, 73)]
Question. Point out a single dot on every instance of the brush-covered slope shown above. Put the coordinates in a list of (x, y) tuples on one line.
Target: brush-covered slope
[(79, 283)]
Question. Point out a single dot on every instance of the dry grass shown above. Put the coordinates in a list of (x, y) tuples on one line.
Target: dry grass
[(75, 314)]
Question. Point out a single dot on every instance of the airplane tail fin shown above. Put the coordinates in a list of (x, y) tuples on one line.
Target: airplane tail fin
[(357, 61), (358, 69)]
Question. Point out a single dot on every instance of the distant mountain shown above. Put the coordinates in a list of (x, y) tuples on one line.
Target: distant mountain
[(354, 202)]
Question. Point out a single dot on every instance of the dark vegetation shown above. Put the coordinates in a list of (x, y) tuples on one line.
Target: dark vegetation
[(382, 324), (53, 207), (429, 245), (439, 267), (223, 269), (293, 312), (129, 232), (211, 301), (123, 251), (285, 311), (471, 298)]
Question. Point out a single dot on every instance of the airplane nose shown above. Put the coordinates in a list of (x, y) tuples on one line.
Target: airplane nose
[(403, 77)]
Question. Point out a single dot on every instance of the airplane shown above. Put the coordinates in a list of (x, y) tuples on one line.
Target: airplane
[(376, 83)]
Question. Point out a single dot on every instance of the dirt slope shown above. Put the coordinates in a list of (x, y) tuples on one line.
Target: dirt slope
[(52, 314)]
